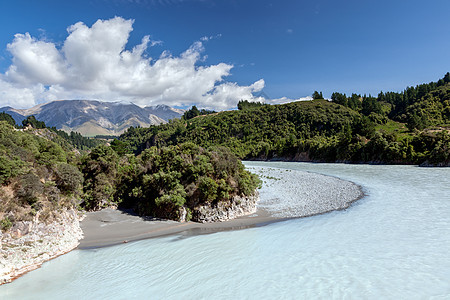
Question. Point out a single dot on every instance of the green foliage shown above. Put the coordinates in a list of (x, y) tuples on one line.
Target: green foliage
[(440, 148), (245, 104), (29, 188), (191, 113), (166, 181), (19, 151), (10, 168), (31, 121), (6, 117), (5, 224), (39, 172), (317, 96), (120, 147), (99, 169), (420, 106), (207, 188), (76, 140), (68, 178), (351, 129), (194, 112), (264, 132), (371, 105)]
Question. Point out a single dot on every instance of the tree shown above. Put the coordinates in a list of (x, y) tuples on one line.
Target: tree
[(245, 104), (69, 178), (29, 188), (339, 99), (447, 77), (31, 120), (192, 113), (6, 117), (99, 169), (369, 105), (316, 95)]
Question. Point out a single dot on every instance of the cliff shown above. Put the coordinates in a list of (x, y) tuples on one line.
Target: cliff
[(28, 244)]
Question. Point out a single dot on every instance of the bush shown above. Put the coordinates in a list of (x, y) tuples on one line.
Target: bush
[(5, 224), (69, 178), (9, 168), (29, 188), (176, 180)]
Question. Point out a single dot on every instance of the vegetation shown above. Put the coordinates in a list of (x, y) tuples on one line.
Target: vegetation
[(245, 104), (6, 117), (64, 139), (419, 107), (351, 129), (34, 177), (316, 95), (41, 173), (77, 140), (167, 182), (31, 121), (195, 112)]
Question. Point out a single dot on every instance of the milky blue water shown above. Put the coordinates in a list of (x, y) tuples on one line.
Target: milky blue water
[(392, 244)]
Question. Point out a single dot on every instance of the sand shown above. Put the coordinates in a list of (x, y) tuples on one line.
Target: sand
[(285, 194)]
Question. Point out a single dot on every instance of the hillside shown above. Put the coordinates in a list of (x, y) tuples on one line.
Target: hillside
[(406, 130), (90, 117), (42, 173)]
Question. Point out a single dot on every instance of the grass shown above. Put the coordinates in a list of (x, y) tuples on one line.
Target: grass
[(396, 128)]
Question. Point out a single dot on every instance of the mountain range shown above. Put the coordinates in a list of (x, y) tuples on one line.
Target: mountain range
[(92, 117)]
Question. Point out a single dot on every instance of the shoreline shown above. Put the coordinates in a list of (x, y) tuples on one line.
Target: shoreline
[(110, 227), (303, 193), (24, 253)]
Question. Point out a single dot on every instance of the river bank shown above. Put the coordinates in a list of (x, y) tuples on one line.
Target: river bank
[(285, 194), (29, 244), (392, 244)]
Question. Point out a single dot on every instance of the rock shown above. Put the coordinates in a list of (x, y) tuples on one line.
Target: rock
[(21, 228), (224, 211), (29, 244)]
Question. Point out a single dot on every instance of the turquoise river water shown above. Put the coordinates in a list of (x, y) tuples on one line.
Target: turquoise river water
[(392, 244)]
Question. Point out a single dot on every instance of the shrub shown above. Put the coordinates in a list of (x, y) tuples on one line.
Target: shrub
[(69, 178), (29, 188), (5, 224)]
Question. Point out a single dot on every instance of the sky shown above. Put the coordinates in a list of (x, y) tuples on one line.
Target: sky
[(213, 53)]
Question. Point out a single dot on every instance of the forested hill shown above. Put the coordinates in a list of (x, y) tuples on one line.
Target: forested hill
[(419, 107), (407, 127)]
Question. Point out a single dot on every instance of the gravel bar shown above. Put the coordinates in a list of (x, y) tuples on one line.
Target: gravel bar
[(292, 194)]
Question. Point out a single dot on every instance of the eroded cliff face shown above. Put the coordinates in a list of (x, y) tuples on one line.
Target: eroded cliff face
[(224, 211), (28, 244)]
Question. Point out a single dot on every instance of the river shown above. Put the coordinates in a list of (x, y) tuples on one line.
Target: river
[(392, 244)]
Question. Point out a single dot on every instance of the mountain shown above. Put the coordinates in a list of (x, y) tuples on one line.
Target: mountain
[(91, 117)]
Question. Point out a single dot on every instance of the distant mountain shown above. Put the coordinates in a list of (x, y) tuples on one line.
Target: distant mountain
[(91, 117)]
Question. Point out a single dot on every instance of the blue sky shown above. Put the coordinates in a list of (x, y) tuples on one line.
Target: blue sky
[(283, 48)]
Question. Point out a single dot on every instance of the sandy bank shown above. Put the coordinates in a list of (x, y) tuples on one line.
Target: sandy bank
[(285, 194), (110, 227)]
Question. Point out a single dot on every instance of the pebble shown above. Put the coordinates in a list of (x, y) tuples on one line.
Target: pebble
[(296, 194)]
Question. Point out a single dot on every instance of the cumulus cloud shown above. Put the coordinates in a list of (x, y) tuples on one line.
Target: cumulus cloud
[(94, 63)]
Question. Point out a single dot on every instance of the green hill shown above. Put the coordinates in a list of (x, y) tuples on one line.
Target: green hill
[(407, 128)]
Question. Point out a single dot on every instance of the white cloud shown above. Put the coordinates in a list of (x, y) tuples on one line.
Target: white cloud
[(93, 63), (284, 100)]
